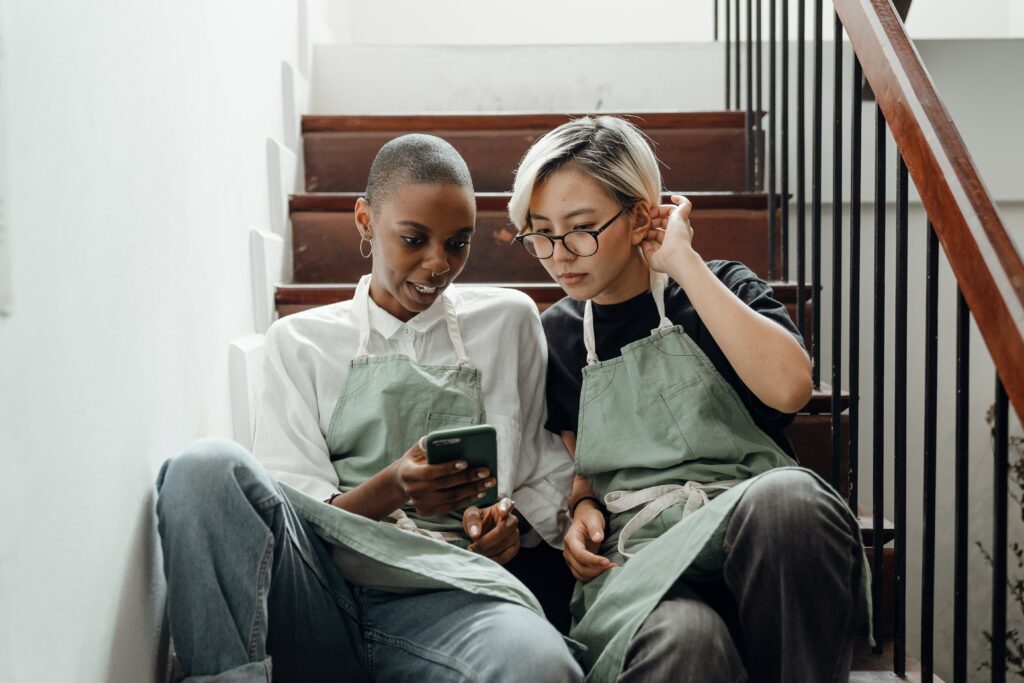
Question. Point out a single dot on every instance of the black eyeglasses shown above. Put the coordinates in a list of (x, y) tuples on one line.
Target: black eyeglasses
[(579, 242)]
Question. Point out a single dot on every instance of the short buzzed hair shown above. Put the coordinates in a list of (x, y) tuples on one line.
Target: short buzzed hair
[(415, 158)]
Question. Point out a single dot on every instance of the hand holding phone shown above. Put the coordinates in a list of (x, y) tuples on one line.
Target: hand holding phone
[(434, 489), (477, 445)]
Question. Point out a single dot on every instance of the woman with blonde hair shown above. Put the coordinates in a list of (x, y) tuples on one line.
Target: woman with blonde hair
[(702, 551)]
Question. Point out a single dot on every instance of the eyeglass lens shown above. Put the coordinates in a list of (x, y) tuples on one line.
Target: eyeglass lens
[(578, 242)]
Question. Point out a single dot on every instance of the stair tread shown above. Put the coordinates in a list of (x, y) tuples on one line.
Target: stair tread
[(869, 668), (864, 519), (509, 121)]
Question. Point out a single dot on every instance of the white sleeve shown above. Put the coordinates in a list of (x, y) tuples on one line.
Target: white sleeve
[(288, 439), (543, 468)]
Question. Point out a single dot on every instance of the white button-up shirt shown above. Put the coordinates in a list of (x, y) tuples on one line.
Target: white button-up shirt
[(306, 364)]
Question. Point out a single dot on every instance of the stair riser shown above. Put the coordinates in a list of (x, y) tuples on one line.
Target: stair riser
[(340, 161), (811, 436), (326, 246)]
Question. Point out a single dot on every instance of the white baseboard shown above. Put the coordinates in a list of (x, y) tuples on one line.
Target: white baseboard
[(282, 179), (245, 359), (266, 254), (294, 102)]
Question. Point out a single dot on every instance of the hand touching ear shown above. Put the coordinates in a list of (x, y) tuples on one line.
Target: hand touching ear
[(670, 235)]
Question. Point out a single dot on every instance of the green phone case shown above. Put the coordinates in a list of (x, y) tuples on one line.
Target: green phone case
[(477, 445)]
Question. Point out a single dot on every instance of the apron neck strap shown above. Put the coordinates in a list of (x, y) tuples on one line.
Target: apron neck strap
[(361, 312), (658, 284), (454, 331)]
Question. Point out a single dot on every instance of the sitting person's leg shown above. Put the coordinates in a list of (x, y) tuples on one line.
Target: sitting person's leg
[(683, 639), (793, 564), (249, 585), (542, 569), (457, 636)]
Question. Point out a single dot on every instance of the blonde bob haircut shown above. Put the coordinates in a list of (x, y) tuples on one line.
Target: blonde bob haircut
[(610, 150)]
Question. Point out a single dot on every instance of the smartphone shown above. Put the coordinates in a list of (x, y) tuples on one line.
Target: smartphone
[(477, 445)]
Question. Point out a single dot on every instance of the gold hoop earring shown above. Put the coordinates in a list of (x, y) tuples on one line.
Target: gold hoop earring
[(369, 250)]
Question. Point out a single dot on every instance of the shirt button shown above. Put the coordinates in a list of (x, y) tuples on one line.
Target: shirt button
[(407, 332)]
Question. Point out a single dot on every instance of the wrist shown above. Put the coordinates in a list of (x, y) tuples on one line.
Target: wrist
[(395, 490), (685, 265), (584, 502)]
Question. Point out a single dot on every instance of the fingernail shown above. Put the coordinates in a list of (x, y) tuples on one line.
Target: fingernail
[(488, 484), (474, 530), (480, 495), (481, 474), (460, 465)]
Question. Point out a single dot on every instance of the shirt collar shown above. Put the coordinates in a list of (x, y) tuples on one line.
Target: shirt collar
[(388, 326)]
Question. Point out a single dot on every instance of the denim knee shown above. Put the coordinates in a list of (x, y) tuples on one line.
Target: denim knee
[(683, 638), (531, 650), (792, 510), (207, 475)]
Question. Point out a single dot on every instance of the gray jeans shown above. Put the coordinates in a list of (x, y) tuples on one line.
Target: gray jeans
[(250, 588), (785, 607)]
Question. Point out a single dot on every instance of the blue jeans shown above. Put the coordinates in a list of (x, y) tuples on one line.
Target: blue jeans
[(252, 593)]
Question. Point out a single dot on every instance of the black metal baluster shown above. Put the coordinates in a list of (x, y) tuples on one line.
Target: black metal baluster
[(728, 55), (900, 419), (773, 224), (963, 357), (878, 386), (736, 41), (750, 98), (784, 129), (999, 534), (837, 256), (855, 177), (801, 212), (816, 140), (758, 93), (931, 376)]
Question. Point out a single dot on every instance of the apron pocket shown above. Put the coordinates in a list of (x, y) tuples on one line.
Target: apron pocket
[(436, 421), (697, 416)]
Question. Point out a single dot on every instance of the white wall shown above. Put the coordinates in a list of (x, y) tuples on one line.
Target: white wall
[(540, 22), (135, 137)]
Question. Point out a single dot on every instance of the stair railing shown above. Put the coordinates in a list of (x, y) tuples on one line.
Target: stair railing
[(962, 220)]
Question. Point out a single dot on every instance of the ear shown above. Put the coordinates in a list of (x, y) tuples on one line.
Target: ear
[(641, 222), (363, 218)]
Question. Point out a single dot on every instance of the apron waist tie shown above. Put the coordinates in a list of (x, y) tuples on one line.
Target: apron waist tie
[(405, 523), (656, 499)]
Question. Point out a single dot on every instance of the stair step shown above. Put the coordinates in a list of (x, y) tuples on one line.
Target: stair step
[(698, 150), (872, 668), (325, 244)]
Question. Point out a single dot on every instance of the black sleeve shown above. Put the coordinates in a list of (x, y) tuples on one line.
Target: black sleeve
[(563, 374)]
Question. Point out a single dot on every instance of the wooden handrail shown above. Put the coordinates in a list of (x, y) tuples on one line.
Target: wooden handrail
[(984, 260)]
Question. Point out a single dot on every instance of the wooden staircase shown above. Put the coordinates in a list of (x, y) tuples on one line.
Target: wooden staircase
[(704, 157)]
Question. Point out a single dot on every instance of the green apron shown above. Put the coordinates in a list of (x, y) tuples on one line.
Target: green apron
[(387, 404), (669, 446)]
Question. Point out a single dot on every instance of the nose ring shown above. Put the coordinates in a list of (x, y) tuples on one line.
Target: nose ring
[(435, 275)]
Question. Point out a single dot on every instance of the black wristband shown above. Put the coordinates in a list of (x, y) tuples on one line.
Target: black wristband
[(330, 501), (572, 508)]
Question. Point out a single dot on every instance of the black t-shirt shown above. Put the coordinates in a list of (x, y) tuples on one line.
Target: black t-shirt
[(617, 325)]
